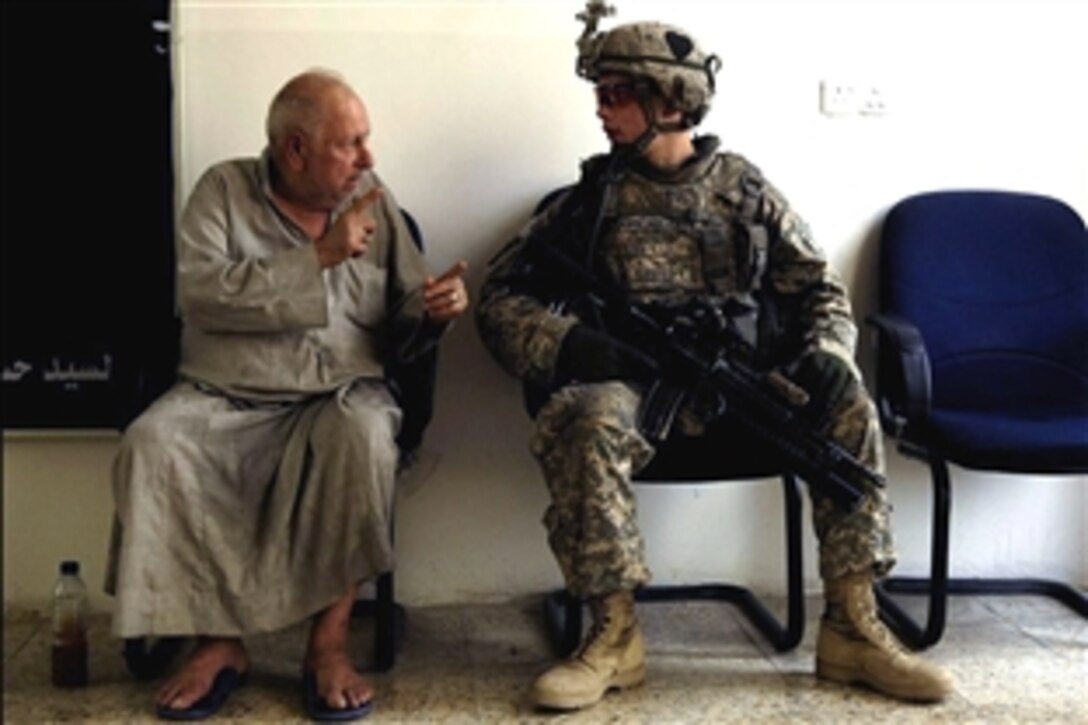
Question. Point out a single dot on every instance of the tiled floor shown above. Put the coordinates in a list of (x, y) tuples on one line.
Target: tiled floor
[(1022, 660)]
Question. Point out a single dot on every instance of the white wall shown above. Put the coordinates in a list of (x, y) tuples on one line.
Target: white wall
[(477, 113)]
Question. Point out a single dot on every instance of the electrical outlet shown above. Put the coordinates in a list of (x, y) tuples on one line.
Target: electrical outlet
[(850, 98), (838, 99), (871, 101)]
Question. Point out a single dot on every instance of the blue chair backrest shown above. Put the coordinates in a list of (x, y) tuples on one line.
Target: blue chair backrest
[(997, 283)]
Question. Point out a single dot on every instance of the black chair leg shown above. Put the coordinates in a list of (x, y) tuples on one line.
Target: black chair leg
[(389, 621), (563, 613), (385, 625), (938, 586), (906, 627), (563, 619), (147, 658), (795, 585)]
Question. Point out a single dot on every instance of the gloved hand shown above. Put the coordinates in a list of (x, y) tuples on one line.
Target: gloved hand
[(826, 378), (591, 356)]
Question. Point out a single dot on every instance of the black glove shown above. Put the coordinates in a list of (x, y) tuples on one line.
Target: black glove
[(826, 378), (591, 356)]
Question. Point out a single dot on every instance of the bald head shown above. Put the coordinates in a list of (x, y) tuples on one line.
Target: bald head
[(318, 131), (302, 104)]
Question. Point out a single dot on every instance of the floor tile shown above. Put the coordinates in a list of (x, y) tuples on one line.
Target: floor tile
[(1015, 659)]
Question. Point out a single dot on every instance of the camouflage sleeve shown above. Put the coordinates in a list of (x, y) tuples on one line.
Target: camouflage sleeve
[(810, 295), (514, 318)]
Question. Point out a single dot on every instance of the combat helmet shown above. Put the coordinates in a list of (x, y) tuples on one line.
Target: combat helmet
[(665, 55)]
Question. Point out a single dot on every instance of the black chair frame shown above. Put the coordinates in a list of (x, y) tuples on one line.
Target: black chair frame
[(390, 621), (698, 460), (563, 612), (413, 386)]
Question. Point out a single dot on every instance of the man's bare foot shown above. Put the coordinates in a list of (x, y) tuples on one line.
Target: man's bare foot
[(196, 676), (338, 682)]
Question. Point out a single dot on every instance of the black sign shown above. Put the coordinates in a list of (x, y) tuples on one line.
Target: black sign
[(87, 226)]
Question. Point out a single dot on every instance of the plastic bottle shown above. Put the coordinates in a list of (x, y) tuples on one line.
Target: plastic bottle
[(69, 627)]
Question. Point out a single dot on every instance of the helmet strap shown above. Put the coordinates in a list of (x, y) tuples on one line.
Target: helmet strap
[(645, 102), (654, 127)]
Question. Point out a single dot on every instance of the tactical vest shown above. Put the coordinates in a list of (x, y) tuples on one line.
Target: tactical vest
[(668, 243)]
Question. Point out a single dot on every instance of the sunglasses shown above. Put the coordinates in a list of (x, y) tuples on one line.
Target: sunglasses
[(612, 95)]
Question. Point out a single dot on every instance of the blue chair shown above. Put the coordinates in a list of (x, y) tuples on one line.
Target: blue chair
[(982, 360)]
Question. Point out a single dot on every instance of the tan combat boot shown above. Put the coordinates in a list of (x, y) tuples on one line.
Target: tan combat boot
[(612, 655), (854, 646)]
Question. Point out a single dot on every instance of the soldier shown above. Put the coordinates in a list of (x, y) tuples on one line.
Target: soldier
[(668, 218)]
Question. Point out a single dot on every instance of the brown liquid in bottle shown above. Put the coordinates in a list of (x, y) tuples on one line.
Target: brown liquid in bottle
[(69, 654), (70, 664)]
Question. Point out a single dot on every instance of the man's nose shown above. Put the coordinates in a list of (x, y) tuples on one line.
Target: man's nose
[(364, 159)]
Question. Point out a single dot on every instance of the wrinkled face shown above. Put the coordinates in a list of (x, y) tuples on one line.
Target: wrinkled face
[(618, 108), (336, 154)]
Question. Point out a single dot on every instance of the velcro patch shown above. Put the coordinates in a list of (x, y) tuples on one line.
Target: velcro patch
[(680, 45)]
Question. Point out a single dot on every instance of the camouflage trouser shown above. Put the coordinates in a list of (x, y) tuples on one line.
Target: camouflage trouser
[(588, 446)]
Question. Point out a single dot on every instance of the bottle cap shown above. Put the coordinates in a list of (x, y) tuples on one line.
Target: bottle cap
[(69, 566)]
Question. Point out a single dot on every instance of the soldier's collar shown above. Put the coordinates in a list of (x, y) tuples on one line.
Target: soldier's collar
[(705, 149)]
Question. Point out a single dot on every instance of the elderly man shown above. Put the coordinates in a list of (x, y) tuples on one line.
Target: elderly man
[(258, 491), (668, 220)]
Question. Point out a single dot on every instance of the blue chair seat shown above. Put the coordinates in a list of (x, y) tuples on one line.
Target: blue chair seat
[(1053, 444)]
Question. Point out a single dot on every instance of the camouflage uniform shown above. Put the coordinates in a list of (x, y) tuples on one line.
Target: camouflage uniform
[(713, 229)]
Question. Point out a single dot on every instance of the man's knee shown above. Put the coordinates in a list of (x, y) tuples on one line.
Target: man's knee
[(591, 425), (856, 426), (369, 424), (180, 414), (588, 408), (155, 430)]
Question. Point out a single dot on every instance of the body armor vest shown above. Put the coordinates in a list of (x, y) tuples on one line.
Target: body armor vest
[(669, 244)]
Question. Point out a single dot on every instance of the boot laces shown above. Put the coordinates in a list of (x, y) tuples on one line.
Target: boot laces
[(863, 614), (601, 619)]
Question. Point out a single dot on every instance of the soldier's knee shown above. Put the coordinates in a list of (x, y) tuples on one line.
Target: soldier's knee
[(594, 405), (854, 411), (591, 425)]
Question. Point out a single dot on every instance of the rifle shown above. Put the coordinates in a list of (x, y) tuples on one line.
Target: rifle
[(695, 355)]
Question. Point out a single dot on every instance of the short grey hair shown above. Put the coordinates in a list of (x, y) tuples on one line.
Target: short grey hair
[(298, 106)]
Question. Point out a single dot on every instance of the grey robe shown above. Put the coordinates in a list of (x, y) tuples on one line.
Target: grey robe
[(256, 490)]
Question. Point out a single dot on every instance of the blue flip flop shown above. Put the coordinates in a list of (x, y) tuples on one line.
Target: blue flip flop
[(319, 710), (226, 681)]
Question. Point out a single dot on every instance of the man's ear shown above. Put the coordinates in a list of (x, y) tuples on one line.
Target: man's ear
[(295, 151), (668, 113)]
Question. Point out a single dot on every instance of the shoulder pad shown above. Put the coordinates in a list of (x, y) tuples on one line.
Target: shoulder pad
[(737, 179), (594, 165)]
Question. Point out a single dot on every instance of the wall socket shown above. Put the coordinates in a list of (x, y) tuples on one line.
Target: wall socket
[(845, 98)]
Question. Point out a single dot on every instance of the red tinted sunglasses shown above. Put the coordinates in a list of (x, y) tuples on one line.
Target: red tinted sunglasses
[(611, 95)]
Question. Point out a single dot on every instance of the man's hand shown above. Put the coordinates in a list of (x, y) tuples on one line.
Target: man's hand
[(445, 297), (349, 235), (826, 378)]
